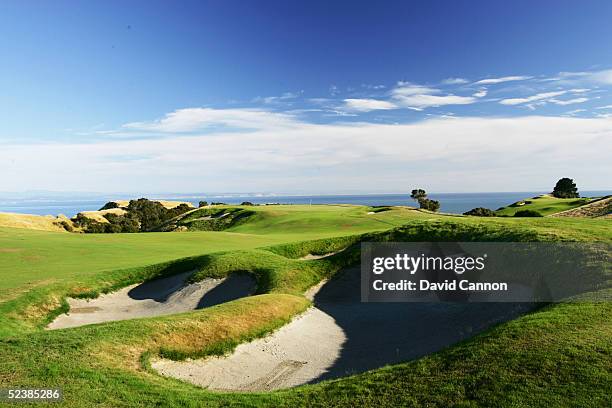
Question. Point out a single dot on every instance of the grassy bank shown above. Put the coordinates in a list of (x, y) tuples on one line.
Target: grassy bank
[(544, 204)]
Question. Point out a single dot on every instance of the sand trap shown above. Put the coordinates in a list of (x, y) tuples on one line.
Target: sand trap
[(338, 337), (310, 257), (155, 298)]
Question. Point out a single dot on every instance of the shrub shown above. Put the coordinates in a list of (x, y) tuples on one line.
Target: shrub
[(527, 213), (109, 205), (202, 204), (480, 212), (430, 205), (247, 203)]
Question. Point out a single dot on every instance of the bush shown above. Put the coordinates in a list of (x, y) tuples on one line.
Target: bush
[(527, 213), (480, 212), (202, 204), (430, 205), (247, 203), (109, 205)]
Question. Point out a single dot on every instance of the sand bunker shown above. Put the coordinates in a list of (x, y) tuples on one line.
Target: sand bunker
[(310, 257), (340, 336), (155, 298)]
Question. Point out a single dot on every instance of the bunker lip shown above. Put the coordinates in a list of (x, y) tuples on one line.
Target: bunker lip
[(340, 336), (158, 297)]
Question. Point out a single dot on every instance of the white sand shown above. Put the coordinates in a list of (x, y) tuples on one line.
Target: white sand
[(293, 355), (155, 298), (310, 257), (339, 337)]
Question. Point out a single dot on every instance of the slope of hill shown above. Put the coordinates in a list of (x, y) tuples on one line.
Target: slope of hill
[(36, 222), (545, 204), (597, 208)]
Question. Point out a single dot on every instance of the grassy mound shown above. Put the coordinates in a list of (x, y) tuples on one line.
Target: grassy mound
[(544, 204), (210, 219), (36, 222)]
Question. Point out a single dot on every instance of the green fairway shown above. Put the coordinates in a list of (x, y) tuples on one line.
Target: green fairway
[(550, 355), (30, 258), (544, 204)]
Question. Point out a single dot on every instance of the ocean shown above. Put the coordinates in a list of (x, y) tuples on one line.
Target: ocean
[(450, 202)]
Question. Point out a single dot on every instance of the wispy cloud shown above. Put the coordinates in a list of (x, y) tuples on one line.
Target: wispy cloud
[(489, 81), (197, 119), (367, 105), (575, 112), (454, 81), (532, 98), (275, 99), (569, 101), (480, 93), (601, 77), (419, 97)]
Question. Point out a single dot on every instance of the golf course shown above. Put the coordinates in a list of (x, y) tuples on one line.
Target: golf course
[(263, 310)]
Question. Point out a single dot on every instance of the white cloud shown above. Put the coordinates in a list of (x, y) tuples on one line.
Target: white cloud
[(418, 97), (367, 105), (461, 154), (602, 77), (194, 119), (502, 79), (407, 89), (480, 94), (536, 97), (604, 107), (568, 101), (454, 81)]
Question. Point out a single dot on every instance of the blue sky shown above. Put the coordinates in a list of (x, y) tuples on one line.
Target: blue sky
[(304, 97)]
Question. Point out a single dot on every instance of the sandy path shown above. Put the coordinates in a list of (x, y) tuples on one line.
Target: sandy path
[(338, 337), (155, 298)]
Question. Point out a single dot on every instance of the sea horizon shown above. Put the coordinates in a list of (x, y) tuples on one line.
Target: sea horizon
[(458, 203)]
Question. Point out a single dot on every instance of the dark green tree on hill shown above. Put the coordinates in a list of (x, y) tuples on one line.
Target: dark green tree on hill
[(565, 188), (425, 203), (418, 194)]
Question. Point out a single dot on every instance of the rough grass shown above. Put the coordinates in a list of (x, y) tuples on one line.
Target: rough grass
[(33, 222)]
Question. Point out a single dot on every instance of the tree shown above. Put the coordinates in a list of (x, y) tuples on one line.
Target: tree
[(247, 203), (425, 203), (418, 194), (203, 204), (565, 188)]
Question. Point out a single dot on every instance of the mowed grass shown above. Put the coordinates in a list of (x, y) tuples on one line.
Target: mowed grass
[(557, 356), (545, 205), (31, 258)]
